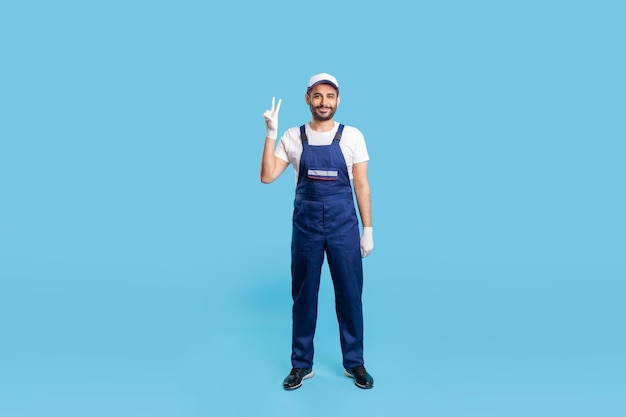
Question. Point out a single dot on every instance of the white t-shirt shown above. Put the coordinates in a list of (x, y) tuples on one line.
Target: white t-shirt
[(352, 145)]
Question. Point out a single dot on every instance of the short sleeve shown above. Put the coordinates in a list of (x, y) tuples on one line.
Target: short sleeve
[(281, 149), (360, 153)]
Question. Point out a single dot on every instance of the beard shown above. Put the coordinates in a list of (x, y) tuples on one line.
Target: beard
[(328, 116)]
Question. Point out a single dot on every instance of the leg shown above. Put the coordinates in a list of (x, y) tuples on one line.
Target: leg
[(344, 260), (307, 257)]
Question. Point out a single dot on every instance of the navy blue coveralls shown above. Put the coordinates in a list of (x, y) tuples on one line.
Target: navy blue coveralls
[(325, 220)]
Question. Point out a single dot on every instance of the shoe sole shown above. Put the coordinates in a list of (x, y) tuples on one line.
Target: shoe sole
[(349, 375), (307, 376)]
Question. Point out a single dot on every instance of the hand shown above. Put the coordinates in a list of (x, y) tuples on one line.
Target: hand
[(271, 119), (367, 241)]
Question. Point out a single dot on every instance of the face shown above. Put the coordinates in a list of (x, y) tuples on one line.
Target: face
[(323, 100)]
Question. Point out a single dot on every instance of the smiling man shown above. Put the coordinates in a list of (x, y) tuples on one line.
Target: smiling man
[(330, 162)]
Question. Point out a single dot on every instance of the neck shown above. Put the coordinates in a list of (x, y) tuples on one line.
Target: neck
[(322, 126)]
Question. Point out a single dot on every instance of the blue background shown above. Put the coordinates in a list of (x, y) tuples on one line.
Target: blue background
[(144, 269)]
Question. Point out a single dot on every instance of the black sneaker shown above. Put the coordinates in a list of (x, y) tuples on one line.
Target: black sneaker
[(295, 377), (361, 378)]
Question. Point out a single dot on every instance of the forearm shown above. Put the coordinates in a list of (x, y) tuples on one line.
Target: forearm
[(363, 201), (268, 161)]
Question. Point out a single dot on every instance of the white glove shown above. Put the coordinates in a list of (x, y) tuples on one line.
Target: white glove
[(271, 119), (367, 241)]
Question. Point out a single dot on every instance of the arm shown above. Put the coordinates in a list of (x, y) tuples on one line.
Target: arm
[(271, 166), (362, 191)]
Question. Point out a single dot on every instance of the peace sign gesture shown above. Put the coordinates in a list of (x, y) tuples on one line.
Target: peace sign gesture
[(271, 119)]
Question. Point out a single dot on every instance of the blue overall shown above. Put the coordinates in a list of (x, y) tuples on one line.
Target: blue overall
[(324, 220)]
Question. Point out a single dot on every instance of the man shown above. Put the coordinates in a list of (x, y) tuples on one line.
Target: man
[(330, 160)]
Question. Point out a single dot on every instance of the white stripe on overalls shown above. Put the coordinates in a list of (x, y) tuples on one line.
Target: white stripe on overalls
[(323, 174)]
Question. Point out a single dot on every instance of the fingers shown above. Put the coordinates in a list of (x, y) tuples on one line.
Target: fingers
[(273, 111), (275, 108)]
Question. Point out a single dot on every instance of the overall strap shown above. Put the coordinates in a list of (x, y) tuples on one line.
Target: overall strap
[(302, 134), (339, 132)]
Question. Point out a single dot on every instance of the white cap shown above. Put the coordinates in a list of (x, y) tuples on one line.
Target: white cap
[(323, 78)]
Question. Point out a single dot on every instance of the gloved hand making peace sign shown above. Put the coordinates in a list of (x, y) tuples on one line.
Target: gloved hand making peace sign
[(271, 119)]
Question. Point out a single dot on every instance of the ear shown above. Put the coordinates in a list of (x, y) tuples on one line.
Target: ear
[(338, 100), (307, 99)]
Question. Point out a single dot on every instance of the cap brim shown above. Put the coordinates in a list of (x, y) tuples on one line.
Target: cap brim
[(324, 82)]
